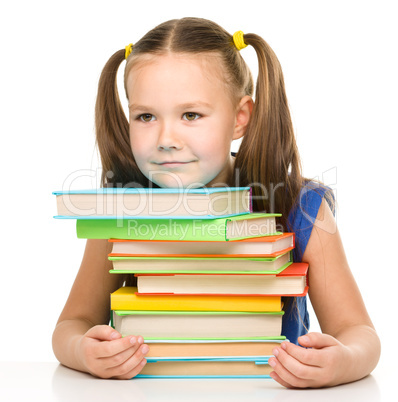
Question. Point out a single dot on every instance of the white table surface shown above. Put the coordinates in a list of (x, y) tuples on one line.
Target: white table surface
[(35, 381)]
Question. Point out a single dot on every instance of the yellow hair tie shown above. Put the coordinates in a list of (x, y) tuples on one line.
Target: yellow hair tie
[(129, 49), (238, 40)]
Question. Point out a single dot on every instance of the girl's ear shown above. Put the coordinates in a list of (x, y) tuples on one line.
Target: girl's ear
[(243, 113)]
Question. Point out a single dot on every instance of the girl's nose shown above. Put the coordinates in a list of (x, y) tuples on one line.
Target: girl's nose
[(168, 139)]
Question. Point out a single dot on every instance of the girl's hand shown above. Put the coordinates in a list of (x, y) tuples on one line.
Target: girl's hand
[(105, 354), (322, 365)]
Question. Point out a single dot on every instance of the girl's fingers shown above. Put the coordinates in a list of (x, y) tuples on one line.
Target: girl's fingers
[(319, 353), (103, 333), (295, 366), (112, 348), (317, 340), (120, 358), (130, 365), (292, 366), (283, 376), (276, 377), (132, 373), (310, 357)]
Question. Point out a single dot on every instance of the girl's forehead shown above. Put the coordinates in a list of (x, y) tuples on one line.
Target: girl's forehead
[(203, 61), (178, 67)]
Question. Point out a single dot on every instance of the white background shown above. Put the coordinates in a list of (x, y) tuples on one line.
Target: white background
[(340, 66)]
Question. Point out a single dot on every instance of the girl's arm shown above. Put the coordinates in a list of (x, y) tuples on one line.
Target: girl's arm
[(348, 348), (82, 339)]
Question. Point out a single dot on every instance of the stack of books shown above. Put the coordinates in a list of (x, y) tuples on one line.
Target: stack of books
[(210, 275)]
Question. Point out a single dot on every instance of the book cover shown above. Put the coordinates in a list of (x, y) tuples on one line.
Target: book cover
[(198, 324), (256, 367), (263, 246), (292, 281), (107, 203), (201, 264), (219, 229), (126, 298), (179, 348)]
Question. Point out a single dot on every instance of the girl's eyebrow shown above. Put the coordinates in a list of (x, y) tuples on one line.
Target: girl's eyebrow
[(192, 105), (187, 105), (133, 106)]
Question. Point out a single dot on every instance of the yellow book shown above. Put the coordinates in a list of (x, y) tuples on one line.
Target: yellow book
[(126, 298)]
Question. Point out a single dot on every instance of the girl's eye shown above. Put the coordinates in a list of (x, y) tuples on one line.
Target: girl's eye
[(146, 117), (190, 116)]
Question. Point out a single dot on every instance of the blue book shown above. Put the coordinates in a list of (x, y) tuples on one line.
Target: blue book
[(220, 367), (179, 203)]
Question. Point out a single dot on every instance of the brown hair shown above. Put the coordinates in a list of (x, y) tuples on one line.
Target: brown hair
[(268, 158)]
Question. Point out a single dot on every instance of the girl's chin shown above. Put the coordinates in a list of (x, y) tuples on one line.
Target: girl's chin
[(174, 180)]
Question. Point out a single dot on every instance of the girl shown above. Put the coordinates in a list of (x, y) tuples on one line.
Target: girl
[(190, 95)]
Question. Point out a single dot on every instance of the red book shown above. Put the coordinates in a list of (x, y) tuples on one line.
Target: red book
[(292, 281)]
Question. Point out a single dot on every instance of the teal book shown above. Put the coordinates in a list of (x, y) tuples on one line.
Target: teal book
[(109, 203), (166, 228), (227, 367)]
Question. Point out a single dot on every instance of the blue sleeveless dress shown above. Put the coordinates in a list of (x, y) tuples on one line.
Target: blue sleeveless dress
[(301, 220)]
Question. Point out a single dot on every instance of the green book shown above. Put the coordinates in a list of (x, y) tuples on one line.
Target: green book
[(205, 265), (218, 229), (198, 324)]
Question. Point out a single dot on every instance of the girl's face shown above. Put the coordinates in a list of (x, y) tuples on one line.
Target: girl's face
[(182, 121)]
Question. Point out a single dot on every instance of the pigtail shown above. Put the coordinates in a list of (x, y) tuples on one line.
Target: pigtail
[(112, 130), (268, 157)]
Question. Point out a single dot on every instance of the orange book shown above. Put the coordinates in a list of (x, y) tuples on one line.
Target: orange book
[(201, 264), (265, 246)]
